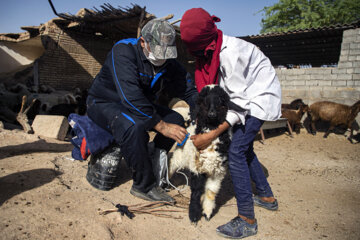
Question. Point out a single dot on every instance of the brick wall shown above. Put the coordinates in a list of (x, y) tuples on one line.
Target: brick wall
[(340, 84), (71, 59)]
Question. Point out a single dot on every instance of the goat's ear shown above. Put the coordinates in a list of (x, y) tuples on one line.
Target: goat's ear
[(194, 113)]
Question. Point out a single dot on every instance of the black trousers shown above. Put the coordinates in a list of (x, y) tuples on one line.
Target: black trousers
[(132, 137)]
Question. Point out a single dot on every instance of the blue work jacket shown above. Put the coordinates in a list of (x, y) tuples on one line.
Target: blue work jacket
[(129, 79)]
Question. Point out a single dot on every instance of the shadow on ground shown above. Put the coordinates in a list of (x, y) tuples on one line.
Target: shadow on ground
[(226, 192), (20, 182), (38, 146)]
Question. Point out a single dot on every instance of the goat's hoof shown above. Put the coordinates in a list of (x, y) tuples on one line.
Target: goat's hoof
[(313, 133), (194, 218), (324, 136), (207, 218), (194, 223), (350, 140)]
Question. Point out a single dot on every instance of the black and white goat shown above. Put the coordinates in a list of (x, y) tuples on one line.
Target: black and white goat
[(209, 167)]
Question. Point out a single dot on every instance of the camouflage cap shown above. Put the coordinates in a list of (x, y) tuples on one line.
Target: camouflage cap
[(160, 36)]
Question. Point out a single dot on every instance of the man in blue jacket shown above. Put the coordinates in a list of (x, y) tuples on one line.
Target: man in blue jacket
[(122, 100)]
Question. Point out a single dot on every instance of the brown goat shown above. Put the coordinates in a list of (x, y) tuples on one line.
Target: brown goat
[(334, 113), (294, 116)]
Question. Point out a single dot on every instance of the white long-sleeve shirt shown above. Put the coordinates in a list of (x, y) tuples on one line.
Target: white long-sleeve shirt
[(247, 75)]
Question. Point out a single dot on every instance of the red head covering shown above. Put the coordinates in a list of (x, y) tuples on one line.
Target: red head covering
[(199, 32)]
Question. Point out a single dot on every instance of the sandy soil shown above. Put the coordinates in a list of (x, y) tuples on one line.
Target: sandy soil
[(44, 195)]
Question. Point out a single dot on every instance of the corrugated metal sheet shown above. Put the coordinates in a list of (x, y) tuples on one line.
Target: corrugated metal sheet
[(315, 46)]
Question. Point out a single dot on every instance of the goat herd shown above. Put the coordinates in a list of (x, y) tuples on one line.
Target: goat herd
[(46, 100), (54, 102), (334, 113)]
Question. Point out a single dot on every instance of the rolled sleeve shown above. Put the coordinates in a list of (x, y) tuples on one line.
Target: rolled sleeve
[(233, 117)]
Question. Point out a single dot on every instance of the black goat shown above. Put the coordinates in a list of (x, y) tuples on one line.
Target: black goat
[(208, 168)]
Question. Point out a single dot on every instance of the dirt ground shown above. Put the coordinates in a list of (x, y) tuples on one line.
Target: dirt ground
[(45, 195)]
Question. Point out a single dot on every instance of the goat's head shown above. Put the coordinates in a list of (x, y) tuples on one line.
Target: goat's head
[(297, 103), (211, 107)]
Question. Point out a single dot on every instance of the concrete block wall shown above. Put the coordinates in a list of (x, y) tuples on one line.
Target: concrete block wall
[(340, 84), (71, 59)]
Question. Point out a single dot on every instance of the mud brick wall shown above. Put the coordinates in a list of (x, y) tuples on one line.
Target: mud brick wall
[(340, 84), (71, 59)]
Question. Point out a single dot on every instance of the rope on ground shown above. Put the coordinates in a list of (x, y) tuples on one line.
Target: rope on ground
[(152, 208)]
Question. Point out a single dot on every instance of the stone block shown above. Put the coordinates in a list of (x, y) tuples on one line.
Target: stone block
[(324, 83), (331, 76), (51, 126), (349, 32), (317, 71), (338, 83), (291, 77), (304, 77), (345, 76), (354, 52), (356, 64), (288, 93), (301, 93), (352, 58), (330, 94), (299, 83), (315, 94), (345, 64), (356, 76), (350, 83), (350, 70), (317, 77), (296, 71), (354, 46), (312, 83), (338, 71), (349, 39)]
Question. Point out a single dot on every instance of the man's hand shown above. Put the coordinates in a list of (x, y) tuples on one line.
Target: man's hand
[(171, 130), (202, 141)]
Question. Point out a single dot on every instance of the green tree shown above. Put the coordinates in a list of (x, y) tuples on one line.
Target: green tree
[(288, 15)]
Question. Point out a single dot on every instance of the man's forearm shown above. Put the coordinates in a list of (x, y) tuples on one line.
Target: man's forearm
[(220, 129), (160, 126)]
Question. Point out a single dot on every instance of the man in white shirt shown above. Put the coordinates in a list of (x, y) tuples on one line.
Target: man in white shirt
[(247, 75)]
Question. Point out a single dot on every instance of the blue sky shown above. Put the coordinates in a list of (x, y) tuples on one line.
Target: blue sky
[(238, 17)]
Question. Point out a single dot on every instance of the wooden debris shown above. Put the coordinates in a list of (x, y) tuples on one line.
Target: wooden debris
[(22, 117), (141, 22), (152, 208), (168, 17)]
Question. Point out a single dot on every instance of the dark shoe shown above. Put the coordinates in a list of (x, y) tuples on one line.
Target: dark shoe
[(237, 228), (155, 194), (267, 205)]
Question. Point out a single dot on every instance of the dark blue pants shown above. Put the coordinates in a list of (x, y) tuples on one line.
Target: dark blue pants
[(244, 166), (132, 137)]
